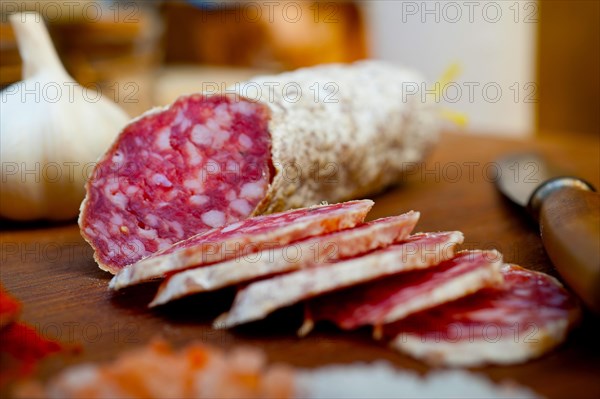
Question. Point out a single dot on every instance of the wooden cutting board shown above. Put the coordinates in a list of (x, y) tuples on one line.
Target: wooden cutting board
[(51, 270)]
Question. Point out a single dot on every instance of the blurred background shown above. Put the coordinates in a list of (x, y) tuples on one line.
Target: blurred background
[(520, 67)]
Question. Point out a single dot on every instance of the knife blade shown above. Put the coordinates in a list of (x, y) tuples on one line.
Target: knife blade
[(567, 209)]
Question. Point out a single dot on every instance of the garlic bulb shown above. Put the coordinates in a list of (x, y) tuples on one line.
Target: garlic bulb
[(52, 131)]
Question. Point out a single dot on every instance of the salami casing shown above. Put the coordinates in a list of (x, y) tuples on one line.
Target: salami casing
[(398, 296), (327, 133), (259, 299), (525, 317), (242, 238), (341, 131), (311, 252)]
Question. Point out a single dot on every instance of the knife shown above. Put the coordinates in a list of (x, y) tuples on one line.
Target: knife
[(567, 209)]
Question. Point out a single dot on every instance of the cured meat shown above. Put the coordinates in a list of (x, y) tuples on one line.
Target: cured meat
[(525, 317), (201, 163), (242, 238), (263, 297), (327, 133), (301, 254), (341, 131), (396, 297)]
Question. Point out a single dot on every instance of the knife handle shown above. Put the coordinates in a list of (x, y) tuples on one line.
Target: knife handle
[(570, 228)]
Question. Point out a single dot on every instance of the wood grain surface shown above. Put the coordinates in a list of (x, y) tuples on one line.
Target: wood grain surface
[(65, 296)]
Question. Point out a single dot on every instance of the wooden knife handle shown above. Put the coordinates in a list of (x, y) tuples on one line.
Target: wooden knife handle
[(570, 228)]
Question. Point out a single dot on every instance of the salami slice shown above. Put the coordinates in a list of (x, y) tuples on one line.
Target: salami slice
[(263, 297), (327, 133), (299, 255), (525, 317), (398, 296), (242, 238)]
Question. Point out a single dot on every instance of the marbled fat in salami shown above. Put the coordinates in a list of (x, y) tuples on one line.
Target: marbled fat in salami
[(525, 317), (311, 252), (199, 164), (395, 297), (259, 299), (244, 237)]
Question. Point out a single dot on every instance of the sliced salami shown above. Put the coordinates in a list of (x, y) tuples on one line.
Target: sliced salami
[(299, 255), (263, 297), (327, 133), (525, 317), (242, 238), (396, 297)]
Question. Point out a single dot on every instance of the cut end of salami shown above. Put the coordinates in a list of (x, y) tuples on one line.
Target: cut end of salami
[(396, 297), (199, 164), (248, 236), (259, 299), (523, 318), (303, 254)]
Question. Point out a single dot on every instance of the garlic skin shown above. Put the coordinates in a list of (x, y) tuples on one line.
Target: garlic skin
[(52, 131)]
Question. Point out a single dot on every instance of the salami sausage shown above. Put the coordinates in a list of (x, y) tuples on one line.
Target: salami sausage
[(242, 238), (327, 133), (525, 317), (299, 255), (259, 299), (396, 297)]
